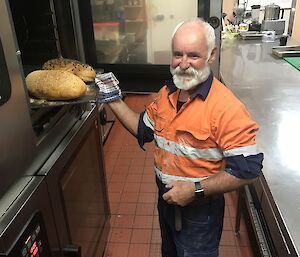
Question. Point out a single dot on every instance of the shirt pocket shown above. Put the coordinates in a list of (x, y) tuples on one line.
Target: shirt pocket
[(160, 124), (196, 138)]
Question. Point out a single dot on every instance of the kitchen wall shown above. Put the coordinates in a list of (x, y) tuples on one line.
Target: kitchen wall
[(296, 29), (163, 16), (228, 6)]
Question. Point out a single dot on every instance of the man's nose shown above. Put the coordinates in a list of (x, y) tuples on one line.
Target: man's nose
[(184, 63)]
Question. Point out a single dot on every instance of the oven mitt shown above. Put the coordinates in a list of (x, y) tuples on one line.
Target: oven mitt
[(109, 90)]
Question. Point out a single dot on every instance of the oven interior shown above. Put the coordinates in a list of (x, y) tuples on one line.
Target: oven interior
[(44, 31), (36, 31)]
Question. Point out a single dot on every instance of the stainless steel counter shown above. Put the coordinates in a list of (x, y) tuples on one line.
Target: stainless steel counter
[(270, 88)]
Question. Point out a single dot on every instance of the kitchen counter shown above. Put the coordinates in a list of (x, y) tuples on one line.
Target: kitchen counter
[(270, 88)]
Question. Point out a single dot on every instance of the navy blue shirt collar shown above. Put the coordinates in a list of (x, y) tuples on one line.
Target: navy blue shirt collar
[(202, 89)]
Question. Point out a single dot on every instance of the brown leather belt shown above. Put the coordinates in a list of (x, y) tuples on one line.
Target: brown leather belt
[(178, 218)]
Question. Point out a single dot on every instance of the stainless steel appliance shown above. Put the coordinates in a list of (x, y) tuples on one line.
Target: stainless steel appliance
[(27, 226), (54, 151), (16, 133), (272, 12), (76, 180), (128, 37), (273, 20), (274, 25)]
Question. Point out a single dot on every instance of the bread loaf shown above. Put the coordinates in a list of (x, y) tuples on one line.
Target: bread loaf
[(55, 85), (83, 71)]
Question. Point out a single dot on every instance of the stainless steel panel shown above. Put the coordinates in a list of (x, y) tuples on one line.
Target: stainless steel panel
[(272, 97), (77, 186), (16, 135), (27, 196)]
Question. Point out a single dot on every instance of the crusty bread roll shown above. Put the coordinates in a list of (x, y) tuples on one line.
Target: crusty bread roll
[(83, 71), (55, 85)]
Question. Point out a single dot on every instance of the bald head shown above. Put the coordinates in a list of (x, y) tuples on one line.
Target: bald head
[(197, 27)]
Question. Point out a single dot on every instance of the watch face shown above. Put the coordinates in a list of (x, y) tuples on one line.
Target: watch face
[(199, 191)]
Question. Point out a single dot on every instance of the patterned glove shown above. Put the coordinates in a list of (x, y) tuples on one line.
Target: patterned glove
[(109, 90)]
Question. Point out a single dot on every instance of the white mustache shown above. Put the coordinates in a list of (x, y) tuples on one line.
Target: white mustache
[(189, 71)]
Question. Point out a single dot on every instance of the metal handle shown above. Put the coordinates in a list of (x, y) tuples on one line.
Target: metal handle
[(72, 251), (77, 29), (103, 117)]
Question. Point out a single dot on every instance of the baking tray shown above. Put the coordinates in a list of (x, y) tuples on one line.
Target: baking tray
[(251, 35), (286, 51), (89, 97)]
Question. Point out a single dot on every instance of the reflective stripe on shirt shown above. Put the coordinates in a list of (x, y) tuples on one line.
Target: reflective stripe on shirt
[(166, 178), (244, 150), (187, 151), (148, 122)]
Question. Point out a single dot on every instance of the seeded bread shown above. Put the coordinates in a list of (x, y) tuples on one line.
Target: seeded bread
[(55, 85), (83, 71)]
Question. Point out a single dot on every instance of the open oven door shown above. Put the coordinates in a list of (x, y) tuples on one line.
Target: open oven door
[(16, 135)]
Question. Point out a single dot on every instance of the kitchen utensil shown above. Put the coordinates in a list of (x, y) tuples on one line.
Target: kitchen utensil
[(272, 12)]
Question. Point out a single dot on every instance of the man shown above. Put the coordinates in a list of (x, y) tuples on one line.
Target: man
[(205, 144)]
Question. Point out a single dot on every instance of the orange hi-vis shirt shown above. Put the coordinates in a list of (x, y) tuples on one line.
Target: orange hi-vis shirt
[(191, 144)]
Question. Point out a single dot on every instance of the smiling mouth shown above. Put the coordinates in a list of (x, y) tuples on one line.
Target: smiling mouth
[(185, 75)]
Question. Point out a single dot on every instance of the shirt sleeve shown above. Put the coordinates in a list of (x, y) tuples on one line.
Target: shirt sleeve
[(146, 123), (235, 133), (244, 167), (145, 133)]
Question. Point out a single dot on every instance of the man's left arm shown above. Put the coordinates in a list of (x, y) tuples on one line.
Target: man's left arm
[(239, 171)]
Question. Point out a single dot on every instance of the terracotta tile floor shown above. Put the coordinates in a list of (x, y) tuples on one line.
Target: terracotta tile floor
[(132, 196)]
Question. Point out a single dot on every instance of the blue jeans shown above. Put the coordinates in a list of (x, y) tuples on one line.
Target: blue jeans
[(202, 225)]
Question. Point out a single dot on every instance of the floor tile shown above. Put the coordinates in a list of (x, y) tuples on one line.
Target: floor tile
[(141, 236), (228, 251), (139, 250), (136, 169), (137, 178), (228, 238), (127, 208), (245, 251), (155, 236), (120, 235), (148, 188), (155, 222), (144, 209), (123, 221), (147, 198), (129, 197), (116, 250), (143, 221), (242, 239), (132, 187), (114, 197), (155, 250), (227, 224)]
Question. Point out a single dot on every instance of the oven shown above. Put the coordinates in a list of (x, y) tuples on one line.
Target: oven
[(27, 226), (76, 181), (51, 159)]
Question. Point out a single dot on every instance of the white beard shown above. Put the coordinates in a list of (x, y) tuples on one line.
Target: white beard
[(188, 79)]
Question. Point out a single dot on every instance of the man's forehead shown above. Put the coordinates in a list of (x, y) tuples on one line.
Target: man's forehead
[(190, 39)]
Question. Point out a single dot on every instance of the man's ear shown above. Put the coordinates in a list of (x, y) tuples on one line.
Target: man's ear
[(213, 55)]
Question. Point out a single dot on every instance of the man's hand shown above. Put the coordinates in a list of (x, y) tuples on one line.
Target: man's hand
[(180, 192), (109, 90)]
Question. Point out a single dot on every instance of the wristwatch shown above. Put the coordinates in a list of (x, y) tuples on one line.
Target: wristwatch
[(199, 191)]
